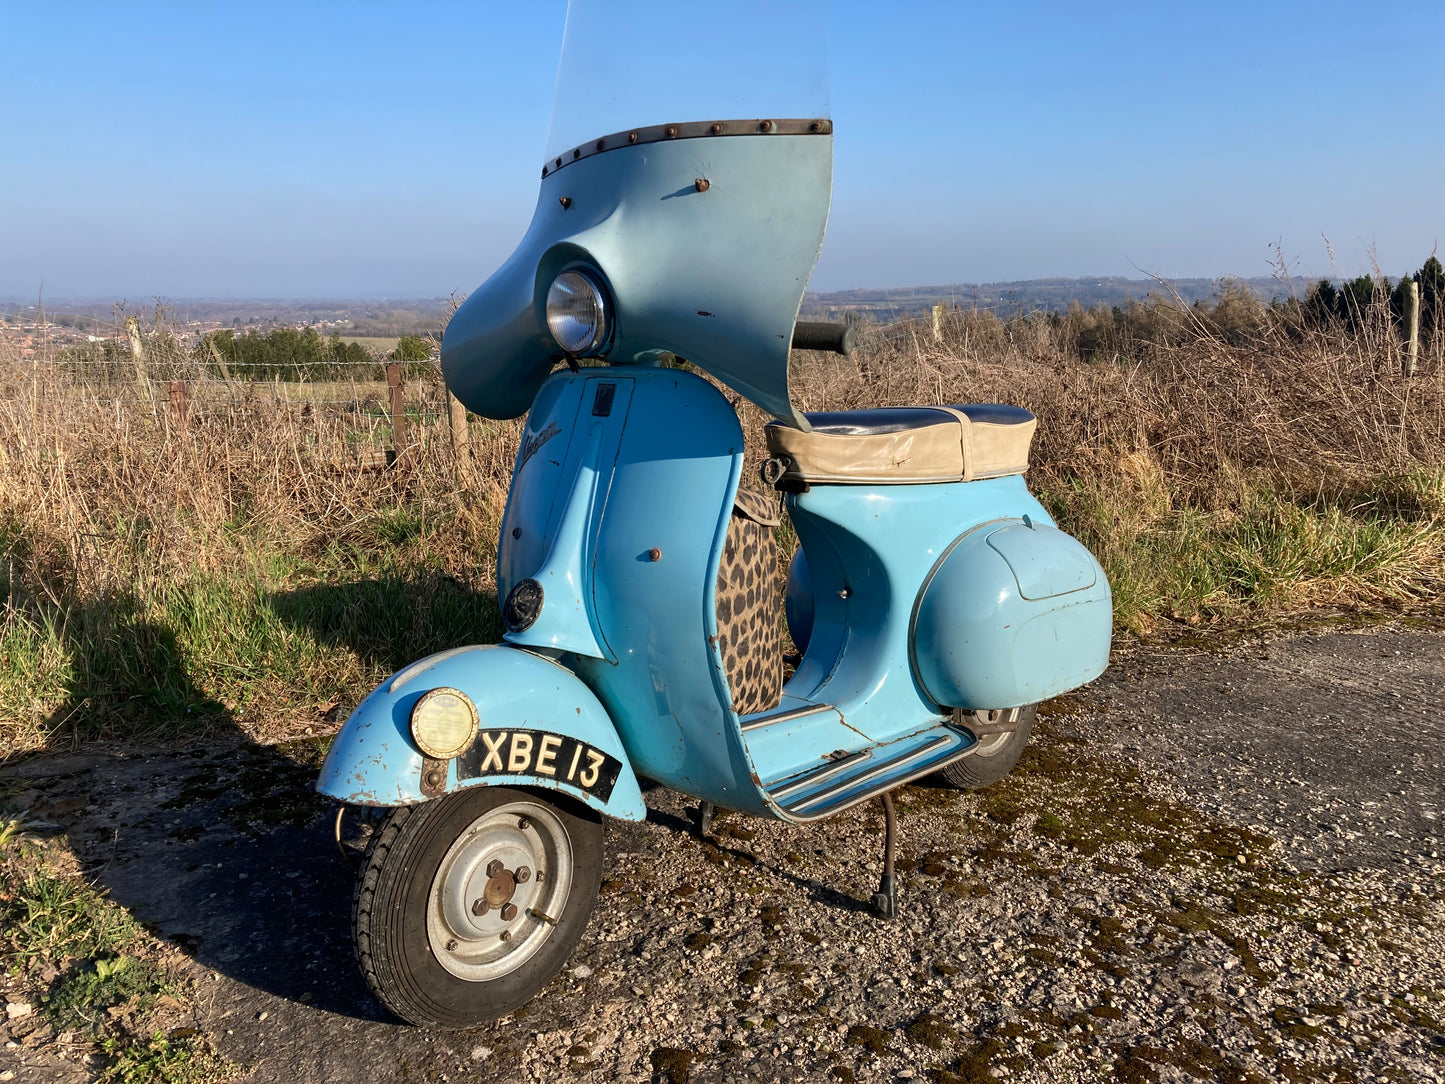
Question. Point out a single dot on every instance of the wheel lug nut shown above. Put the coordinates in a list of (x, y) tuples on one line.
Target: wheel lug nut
[(506, 935), (480, 907), (523, 875), (509, 912), (494, 867), (523, 823), (452, 945)]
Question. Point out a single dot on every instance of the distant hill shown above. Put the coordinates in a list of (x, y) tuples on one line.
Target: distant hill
[(1029, 295), (409, 317)]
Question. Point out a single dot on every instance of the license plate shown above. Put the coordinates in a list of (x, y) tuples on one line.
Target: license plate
[(545, 756)]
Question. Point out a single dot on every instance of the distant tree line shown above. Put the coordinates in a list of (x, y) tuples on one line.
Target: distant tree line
[(285, 353), (1354, 301)]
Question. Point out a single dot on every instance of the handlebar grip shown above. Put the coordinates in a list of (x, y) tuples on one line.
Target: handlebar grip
[(818, 335)]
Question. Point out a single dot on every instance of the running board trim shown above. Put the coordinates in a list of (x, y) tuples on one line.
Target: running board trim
[(753, 722), (864, 775), (820, 775)]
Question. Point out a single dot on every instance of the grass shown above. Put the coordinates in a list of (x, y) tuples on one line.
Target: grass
[(166, 1059), (91, 971), (248, 569)]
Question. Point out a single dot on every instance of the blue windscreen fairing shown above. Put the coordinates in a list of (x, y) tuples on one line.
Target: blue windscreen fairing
[(702, 222)]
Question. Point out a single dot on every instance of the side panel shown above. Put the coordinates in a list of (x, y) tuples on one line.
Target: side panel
[(373, 760), (1011, 615), (869, 549), (656, 564)]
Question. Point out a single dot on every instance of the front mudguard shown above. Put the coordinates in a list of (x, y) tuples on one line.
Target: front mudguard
[(374, 761)]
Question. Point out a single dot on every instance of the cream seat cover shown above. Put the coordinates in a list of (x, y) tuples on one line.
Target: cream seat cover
[(902, 445)]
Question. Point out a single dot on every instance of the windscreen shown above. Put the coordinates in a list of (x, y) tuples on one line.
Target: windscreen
[(632, 63)]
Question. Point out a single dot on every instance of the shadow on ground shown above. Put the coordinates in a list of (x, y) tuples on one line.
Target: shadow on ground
[(219, 843)]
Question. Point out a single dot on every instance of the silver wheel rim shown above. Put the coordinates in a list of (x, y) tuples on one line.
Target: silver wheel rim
[(990, 744), (500, 888)]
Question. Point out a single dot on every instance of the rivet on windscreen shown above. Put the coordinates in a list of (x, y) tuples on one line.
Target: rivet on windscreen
[(602, 144), (654, 554), (576, 154), (765, 126), (816, 126), (671, 132), (565, 201), (702, 184), (544, 171), (632, 137), (717, 129), (559, 163)]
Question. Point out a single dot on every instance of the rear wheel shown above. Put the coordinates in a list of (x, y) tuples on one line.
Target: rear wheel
[(994, 755), (466, 906)]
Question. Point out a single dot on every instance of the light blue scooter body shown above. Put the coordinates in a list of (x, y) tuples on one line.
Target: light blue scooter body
[(898, 635)]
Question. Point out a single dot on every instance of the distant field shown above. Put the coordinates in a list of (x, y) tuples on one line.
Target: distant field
[(379, 343)]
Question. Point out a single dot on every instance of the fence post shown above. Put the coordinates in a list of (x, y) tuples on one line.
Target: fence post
[(398, 411), (1412, 326), (138, 357), (178, 402), (457, 423), (938, 323)]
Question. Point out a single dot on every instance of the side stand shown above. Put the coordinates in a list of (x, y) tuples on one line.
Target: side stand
[(705, 810), (885, 900)]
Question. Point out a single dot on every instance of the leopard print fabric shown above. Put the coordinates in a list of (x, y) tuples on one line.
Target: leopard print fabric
[(747, 605)]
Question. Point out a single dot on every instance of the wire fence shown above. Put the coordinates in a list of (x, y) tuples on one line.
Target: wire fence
[(386, 407)]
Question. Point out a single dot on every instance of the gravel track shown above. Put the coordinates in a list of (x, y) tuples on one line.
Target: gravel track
[(1210, 866)]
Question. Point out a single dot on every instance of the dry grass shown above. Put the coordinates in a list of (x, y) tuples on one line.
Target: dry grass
[(244, 569)]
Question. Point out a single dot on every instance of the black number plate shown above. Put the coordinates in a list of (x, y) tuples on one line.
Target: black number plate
[(553, 757)]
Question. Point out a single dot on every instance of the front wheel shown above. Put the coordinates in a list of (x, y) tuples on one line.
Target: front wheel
[(466, 906), (993, 756)]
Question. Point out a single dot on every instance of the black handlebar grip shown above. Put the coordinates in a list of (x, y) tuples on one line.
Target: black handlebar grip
[(816, 335)]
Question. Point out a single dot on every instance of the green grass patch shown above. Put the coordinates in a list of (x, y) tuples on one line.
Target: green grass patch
[(175, 1058), (80, 1001), (1271, 553), (293, 630), (45, 915)]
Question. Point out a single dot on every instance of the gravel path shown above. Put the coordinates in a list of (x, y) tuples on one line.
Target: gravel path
[(1209, 867)]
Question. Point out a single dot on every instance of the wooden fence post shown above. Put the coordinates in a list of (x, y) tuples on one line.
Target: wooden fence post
[(398, 411), (938, 323), (1412, 326), (179, 405), (138, 358), (457, 422)]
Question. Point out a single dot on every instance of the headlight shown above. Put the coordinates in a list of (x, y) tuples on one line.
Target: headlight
[(444, 723), (577, 313)]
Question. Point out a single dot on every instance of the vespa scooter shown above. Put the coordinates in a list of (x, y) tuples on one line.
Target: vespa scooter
[(933, 600)]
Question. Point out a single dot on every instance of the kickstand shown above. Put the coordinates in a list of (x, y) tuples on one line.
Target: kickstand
[(885, 900), (705, 810)]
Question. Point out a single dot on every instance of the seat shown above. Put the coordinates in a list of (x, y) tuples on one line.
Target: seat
[(904, 445)]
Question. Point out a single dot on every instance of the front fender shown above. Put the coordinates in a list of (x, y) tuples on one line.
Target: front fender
[(374, 761)]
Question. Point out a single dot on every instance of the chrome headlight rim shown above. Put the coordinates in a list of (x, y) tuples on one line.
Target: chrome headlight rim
[(424, 742), (582, 282)]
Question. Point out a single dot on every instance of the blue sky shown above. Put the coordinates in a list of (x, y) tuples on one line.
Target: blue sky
[(385, 149)]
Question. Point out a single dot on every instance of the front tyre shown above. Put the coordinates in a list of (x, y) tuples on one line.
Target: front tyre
[(993, 755), (466, 906)]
